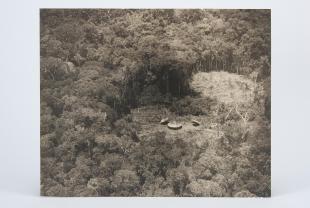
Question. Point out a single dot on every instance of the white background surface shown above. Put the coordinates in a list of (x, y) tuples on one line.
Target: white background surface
[(20, 117)]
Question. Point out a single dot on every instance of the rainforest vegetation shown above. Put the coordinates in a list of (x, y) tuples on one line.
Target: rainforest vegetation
[(108, 76)]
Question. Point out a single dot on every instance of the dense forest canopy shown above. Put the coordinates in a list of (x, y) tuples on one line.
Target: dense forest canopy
[(159, 44), (97, 65)]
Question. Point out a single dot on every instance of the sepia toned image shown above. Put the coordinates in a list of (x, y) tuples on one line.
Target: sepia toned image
[(155, 102)]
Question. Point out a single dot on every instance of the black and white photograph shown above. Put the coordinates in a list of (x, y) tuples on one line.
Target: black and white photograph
[(155, 102)]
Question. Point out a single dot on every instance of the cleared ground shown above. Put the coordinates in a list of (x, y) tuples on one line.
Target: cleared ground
[(226, 88)]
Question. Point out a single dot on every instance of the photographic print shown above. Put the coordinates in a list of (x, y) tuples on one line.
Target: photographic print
[(155, 102)]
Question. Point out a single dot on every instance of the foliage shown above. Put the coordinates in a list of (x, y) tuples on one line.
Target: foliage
[(192, 105), (98, 65)]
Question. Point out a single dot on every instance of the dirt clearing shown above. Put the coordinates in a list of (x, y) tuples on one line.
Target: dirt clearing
[(225, 87)]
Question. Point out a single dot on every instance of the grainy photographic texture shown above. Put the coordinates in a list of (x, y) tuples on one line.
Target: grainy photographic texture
[(155, 102)]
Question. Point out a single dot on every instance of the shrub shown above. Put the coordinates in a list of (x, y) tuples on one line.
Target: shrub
[(101, 186), (235, 132), (205, 188), (68, 32), (47, 145), (108, 143), (125, 183), (123, 127), (156, 155), (178, 179), (92, 34), (244, 193)]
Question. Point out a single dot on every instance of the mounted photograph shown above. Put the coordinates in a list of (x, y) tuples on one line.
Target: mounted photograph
[(155, 102)]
